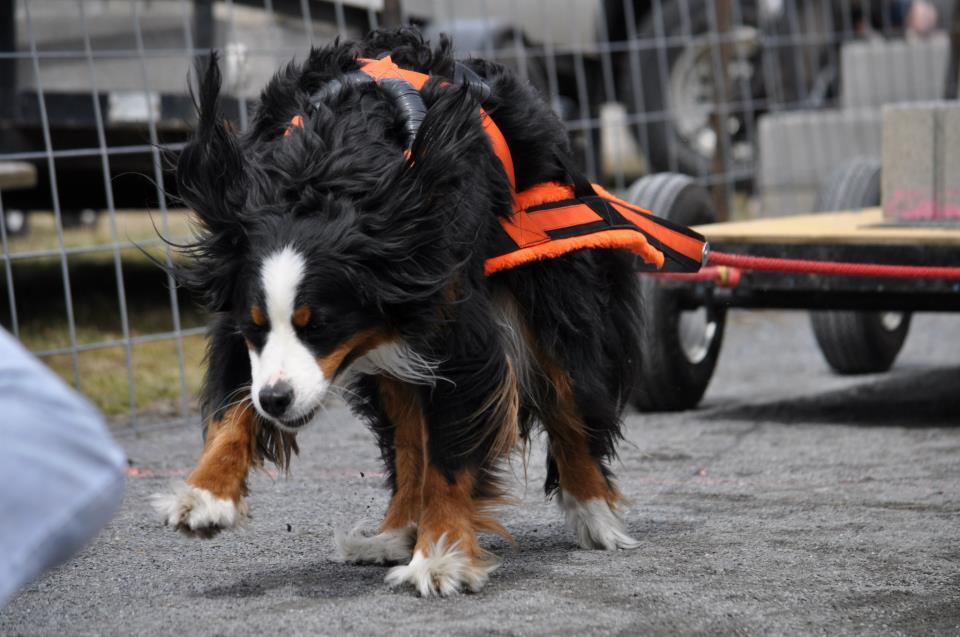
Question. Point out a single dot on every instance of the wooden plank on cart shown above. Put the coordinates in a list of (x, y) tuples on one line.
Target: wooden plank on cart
[(862, 227)]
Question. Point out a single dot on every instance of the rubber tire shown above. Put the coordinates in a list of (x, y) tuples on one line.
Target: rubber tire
[(667, 380), (660, 135), (855, 342)]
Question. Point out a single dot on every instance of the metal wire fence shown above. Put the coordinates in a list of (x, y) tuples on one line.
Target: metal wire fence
[(756, 98)]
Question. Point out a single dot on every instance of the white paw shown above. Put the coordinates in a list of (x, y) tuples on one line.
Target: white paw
[(445, 571), (595, 524), (392, 545), (198, 512)]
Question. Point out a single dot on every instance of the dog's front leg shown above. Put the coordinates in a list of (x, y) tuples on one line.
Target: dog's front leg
[(397, 534), (447, 557), (213, 497), (470, 423)]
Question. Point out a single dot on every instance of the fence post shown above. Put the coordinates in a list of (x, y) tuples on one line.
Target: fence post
[(8, 66), (202, 29), (953, 64), (392, 14), (721, 92)]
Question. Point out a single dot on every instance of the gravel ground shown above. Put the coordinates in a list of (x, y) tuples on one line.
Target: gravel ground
[(793, 502)]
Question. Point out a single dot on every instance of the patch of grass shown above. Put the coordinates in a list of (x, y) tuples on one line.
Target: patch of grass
[(133, 226), (104, 374), (157, 389)]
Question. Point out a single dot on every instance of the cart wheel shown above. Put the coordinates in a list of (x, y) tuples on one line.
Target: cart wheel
[(679, 347), (857, 342)]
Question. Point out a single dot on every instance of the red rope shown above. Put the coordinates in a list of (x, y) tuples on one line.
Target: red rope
[(720, 275), (833, 268)]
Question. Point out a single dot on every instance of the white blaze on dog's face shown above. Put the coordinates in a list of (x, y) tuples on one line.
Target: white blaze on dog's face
[(304, 332), (287, 383)]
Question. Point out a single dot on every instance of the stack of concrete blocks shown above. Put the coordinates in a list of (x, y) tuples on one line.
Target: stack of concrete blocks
[(921, 163), (798, 150)]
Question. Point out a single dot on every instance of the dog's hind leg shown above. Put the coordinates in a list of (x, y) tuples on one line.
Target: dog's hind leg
[(401, 432), (213, 497), (576, 470)]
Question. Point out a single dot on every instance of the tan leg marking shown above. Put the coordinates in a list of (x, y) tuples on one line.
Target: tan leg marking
[(587, 498), (228, 454), (448, 510), (447, 557), (402, 406), (213, 497), (580, 476)]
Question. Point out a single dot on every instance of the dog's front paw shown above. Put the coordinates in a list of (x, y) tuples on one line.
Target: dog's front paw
[(444, 570), (198, 512), (596, 524), (386, 547)]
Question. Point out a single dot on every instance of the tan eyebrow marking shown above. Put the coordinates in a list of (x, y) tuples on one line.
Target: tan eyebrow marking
[(301, 316), (259, 319)]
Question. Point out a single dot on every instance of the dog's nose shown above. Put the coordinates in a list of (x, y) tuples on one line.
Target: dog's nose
[(276, 398)]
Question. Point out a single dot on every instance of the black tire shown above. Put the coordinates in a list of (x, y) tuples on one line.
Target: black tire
[(674, 373), (857, 342), (662, 139)]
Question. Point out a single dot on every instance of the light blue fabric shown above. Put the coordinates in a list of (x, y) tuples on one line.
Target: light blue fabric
[(61, 474)]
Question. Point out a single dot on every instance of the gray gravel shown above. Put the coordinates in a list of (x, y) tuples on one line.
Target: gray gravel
[(793, 502)]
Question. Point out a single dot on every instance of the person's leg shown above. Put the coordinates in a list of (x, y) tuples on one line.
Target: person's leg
[(62, 474)]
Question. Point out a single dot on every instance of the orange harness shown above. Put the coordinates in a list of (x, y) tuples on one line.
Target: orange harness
[(552, 219)]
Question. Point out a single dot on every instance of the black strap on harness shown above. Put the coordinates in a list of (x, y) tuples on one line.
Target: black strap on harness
[(402, 93)]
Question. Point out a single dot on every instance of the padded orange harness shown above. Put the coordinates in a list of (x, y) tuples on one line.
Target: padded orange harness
[(552, 219)]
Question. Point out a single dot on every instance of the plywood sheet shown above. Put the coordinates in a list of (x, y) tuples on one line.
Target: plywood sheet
[(861, 227)]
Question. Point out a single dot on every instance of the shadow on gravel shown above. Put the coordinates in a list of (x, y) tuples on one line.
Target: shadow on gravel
[(314, 580), (911, 399), (534, 555)]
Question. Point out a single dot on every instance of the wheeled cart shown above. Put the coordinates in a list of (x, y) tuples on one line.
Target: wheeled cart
[(860, 323)]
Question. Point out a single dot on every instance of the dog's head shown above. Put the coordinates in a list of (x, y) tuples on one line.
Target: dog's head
[(323, 243)]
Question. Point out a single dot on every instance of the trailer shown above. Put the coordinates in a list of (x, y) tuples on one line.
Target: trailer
[(860, 323)]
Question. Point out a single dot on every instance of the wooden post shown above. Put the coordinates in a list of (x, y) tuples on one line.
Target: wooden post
[(721, 97), (392, 14), (8, 66), (953, 66)]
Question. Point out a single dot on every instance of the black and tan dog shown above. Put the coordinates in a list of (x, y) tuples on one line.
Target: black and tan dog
[(346, 248)]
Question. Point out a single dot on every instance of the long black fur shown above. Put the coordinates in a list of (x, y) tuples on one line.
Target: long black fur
[(400, 245)]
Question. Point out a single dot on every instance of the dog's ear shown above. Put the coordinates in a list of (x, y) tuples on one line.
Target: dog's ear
[(210, 180), (210, 167), (444, 151), (441, 194)]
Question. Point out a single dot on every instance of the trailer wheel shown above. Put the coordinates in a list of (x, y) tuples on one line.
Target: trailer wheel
[(679, 347), (857, 342)]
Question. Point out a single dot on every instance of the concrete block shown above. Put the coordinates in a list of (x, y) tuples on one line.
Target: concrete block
[(908, 177), (949, 169), (798, 150), (879, 72), (921, 161)]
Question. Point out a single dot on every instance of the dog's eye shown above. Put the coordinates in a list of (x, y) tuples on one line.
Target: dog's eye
[(307, 320), (309, 327)]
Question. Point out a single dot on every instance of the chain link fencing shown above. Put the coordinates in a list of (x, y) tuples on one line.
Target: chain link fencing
[(758, 99)]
